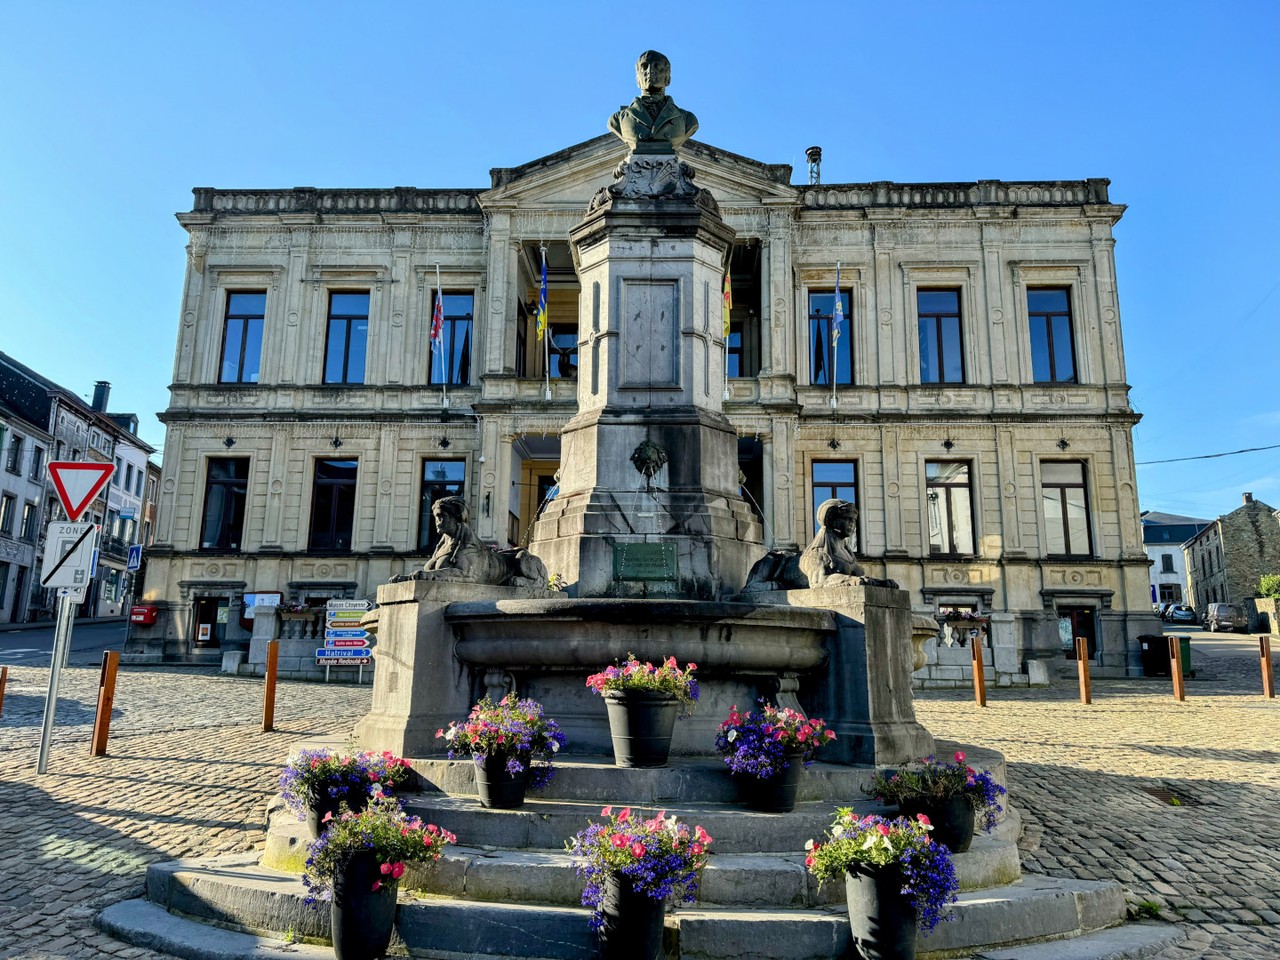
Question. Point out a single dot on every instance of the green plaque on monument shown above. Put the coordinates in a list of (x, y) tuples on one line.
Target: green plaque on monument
[(644, 561)]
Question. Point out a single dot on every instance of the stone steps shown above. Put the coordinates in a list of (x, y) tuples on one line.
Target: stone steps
[(236, 890)]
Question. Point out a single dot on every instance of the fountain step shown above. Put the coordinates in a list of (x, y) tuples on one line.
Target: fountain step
[(683, 779), (237, 891), (145, 924), (547, 825)]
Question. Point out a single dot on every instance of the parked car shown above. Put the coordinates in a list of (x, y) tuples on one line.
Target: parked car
[(1225, 616), (1181, 613), (1162, 608)]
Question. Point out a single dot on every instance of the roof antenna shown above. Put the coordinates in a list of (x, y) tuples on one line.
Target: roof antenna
[(814, 155)]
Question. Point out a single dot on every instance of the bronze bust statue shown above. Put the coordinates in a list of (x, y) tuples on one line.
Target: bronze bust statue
[(652, 123)]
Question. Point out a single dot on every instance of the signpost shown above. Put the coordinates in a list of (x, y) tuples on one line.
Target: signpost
[(346, 643), (70, 557)]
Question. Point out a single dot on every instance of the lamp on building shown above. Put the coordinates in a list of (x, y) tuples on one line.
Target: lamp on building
[(444, 443), (1063, 443), (336, 442), (833, 443), (229, 442), (948, 443)]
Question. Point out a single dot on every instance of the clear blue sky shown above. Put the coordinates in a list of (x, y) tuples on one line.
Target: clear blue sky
[(111, 113)]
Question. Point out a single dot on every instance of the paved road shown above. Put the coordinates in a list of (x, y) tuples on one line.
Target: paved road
[(189, 774), (31, 646)]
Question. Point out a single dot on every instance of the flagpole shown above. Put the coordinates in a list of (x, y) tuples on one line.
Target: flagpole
[(444, 373), (546, 333), (728, 306), (836, 310)]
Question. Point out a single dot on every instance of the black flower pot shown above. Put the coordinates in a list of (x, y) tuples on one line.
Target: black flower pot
[(632, 921), (640, 724), (776, 794), (320, 803), (361, 918), (952, 820), (496, 787), (882, 919)]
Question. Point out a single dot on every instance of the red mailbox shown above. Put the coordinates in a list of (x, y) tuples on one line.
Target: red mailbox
[(144, 615)]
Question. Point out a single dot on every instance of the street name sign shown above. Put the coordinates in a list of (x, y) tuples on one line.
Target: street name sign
[(68, 555), (78, 482)]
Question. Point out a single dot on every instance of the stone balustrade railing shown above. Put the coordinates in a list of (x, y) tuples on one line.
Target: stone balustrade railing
[(315, 200), (887, 194)]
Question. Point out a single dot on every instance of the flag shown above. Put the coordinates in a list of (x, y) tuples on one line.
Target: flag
[(728, 302), (437, 322), (542, 299), (838, 313)]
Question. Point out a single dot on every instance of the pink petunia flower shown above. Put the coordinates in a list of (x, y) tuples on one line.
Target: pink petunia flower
[(696, 848), (624, 815), (884, 829), (959, 756), (327, 817), (924, 819), (397, 870), (385, 868), (607, 811), (377, 885), (637, 849)]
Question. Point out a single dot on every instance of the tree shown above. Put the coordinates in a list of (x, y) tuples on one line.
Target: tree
[(1269, 585)]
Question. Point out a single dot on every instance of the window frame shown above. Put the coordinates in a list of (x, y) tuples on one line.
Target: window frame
[(8, 507), (815, 502), (1083, 487), (13, 456), (428, 536), (245, 321), (813, 327), (335, 504), (448, 337), (226, 485), (940, 340), (1049, 333), (347, 319), (948, 531)]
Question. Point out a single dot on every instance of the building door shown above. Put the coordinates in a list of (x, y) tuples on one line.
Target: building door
[(210, 621), (1078, 622), (19, 596)]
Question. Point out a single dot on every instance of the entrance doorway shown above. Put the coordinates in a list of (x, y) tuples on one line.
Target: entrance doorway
[(210, 621), (1078, 622)]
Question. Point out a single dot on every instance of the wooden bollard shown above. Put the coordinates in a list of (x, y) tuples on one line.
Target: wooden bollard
[(106, 697), (4, 678), (1175, 662), (979, 671), (1264, 654), (1082, 667), (269, 694)]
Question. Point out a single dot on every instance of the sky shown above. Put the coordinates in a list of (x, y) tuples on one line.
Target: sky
[(111, 113)]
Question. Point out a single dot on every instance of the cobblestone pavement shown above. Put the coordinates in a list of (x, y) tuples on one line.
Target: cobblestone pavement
[(189, 774)]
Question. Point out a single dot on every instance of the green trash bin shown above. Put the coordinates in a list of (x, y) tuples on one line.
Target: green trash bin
[(1185, 644)]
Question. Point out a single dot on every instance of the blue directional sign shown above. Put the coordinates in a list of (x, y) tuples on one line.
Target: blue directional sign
[(135, 557), (348, 634), (342, 653)]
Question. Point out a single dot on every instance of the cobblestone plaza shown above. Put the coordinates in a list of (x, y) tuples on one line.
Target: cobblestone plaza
[(189, 774)]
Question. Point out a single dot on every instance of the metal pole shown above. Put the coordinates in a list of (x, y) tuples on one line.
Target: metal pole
[(546, 333), (61, 639), (444, 367)]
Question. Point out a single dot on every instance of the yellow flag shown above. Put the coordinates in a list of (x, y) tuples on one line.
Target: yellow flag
[(728, 302)]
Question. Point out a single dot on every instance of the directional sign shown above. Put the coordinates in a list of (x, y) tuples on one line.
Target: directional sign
[(68, 555), (78, 482), (344, 634), (353, 662), (340, 642), (348, 605), (135, 557), (348, 616), (343, 654)]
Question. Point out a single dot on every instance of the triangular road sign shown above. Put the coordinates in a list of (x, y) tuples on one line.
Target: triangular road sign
[(78, 482)]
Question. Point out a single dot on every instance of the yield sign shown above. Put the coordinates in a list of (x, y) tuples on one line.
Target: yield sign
[(78, 482)]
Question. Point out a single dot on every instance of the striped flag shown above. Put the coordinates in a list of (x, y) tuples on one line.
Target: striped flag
[(837, 320), (437, 322), (728, 302), (542, 299)]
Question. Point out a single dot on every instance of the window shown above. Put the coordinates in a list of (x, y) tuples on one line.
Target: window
[(440, 479), (453, 355), (128, 477), (333, 505), (1170, 593), (1053, 356), (14, 463), (563, 349), (348, 336), (30, 515), (950, 506), (7, 506), (833, 480), (1166, 563), (1066, 509), (225, 494), (941, 357), (822, 356), (37, 463), (118, 473), (242, 337), (733, 355)]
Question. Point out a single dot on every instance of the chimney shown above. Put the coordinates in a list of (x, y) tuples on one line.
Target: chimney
[(1248, 499), (101, 391), (814, 156)]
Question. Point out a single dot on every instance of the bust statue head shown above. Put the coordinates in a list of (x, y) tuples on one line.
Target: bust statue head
[(451, 515), (838, 517), (653, 73)]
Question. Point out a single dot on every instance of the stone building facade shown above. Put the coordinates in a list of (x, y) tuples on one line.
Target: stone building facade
[(975, 406), (1163, 535), (1226, 560)]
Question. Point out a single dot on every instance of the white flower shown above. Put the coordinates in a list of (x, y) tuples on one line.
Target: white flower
[(733, 735), (453, 732), (555, 747)]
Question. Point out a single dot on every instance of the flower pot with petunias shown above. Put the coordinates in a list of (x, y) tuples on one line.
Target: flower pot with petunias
[(767, 750), (643, 702), (512, 746)]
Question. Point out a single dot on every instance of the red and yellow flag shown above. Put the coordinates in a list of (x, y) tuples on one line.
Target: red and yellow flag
[(728, 302)]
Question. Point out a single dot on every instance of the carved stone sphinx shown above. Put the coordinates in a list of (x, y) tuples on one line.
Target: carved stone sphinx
[(461, 557), (827, 561)]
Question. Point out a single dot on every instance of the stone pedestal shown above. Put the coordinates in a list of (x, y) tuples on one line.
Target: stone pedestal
[(650, 456)]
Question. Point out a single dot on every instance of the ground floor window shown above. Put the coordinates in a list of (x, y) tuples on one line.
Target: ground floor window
[(440, 479), (333, 504), (1078, 622), (1170, 593)]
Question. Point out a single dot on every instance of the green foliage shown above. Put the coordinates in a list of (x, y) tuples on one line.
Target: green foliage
[(1269, 586)]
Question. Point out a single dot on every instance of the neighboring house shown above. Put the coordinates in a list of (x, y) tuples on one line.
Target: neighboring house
[(1226, 560), (23, 448), (1163, 535), (74, 430), (982, 420)]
